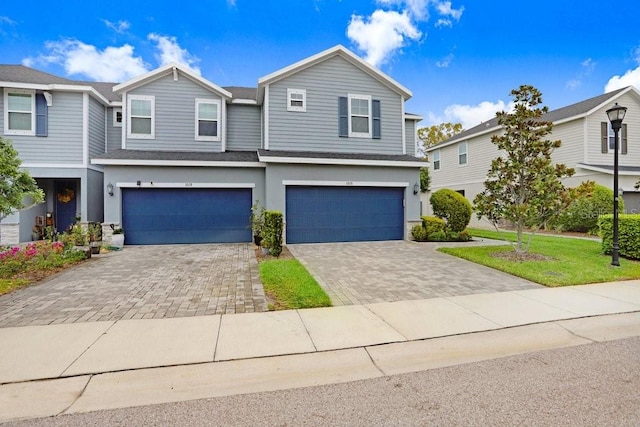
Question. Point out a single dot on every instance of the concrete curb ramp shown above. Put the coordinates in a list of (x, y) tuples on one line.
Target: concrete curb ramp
[(51, 370)]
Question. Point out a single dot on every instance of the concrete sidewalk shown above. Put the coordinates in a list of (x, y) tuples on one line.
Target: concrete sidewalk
[(80, 367)]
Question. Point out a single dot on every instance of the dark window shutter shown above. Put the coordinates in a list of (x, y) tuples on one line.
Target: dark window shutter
[(375, 109), (604, 137), (623, 148), (41, 115), (343, 116)]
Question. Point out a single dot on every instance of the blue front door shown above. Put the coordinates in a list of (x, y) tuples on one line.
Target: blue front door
[(344, 214), (152, 216), (66, 197)]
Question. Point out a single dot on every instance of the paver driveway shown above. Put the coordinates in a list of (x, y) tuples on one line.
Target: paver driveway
[(143, 282), (369, 272)]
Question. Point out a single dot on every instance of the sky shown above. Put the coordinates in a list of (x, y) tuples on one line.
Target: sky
[(460, 58)]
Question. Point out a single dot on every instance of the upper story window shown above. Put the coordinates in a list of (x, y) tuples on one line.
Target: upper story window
[(19, 116), (296, 100), (360, 116), (207, 120), (436, 160), (117, 117), (609, 141), (141, 116), (462, 153)]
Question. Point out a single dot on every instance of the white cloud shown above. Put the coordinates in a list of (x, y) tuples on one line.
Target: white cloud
[(119, 27), (586, 68), (443, 22), (629, 78), (382, 34), (231, 3), (444, 62), (445, 9), (170, 51), (470, 115), (7, 20), (419, 9)]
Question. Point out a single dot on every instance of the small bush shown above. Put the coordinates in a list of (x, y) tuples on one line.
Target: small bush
[(452, 207), (589, 201), (628, 235), (41, 255), (272, 232), (433, 224), (419, 233), (438, 236)]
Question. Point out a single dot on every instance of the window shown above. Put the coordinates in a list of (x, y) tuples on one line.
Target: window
[(141, 116), (296, 100), (117, 117), (436, 160), (360, 116), (462, 153), (19, 107), (609, 141), (207, 119)]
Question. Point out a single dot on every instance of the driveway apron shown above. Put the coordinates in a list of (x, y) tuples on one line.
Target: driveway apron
[(143, 282), (370, 272)]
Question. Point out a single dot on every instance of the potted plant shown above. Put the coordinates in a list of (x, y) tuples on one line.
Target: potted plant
[(35, 233), (117, 237), (257, 222), (95, 237)]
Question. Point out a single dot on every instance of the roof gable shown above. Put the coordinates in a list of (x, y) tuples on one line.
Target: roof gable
[(169, 69), (342, 52)]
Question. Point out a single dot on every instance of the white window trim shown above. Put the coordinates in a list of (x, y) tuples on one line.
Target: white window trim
[(115, 115), (8, 131), (207, 138), (360, 134), (433, 162), (302, 92), (153, 117), (466, 153)]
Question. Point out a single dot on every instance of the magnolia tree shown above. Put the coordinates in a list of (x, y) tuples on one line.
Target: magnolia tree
[(18, 190), (523, 186)]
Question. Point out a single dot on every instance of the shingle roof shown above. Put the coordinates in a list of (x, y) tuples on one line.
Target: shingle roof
[(22, 74), (572, 110), (240, 92), (228, 156), (105, 89), (349, 156)]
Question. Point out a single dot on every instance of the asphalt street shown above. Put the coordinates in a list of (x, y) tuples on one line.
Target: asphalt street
[(589, 385)]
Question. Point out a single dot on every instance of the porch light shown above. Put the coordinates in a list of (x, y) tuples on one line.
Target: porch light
[(110, 189), (616, 115), (416, 188)]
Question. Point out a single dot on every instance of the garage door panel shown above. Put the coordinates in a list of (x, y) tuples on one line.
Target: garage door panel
[(344, 214), (167, 216)]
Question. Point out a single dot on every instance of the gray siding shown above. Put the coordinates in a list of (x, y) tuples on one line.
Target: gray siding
[(95, 196), (243, 127), (114, 134), (63, 145), (96, 128), (174, 116), (410, 136), (317, 128)]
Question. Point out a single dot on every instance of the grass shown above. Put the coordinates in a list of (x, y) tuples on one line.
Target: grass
[(289, 285), (573, 261), (9, 285)]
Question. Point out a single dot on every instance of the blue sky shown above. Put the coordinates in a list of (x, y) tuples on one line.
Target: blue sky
[(460, 58)]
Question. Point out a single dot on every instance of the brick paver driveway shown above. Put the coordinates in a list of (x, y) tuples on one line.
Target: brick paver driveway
[(143, 282), (368, 272)]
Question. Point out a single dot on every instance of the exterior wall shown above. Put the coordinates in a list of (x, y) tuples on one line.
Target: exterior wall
[(317, 128), (277, 173), (63, 145), (632, 120), (410, 136), (94, 196), (97, 131), (175, 109), (184, 175), (243, 127), (114, 133)]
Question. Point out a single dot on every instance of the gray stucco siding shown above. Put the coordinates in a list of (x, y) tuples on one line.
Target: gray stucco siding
[(63, 144), (163, 175), (175, 111), (243, 127), (317, 128), (96, 128)]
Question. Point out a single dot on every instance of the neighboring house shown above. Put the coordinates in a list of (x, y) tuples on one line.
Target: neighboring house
[(182, 160), (462, 162)]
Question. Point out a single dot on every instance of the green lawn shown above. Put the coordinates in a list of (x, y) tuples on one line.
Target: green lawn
[(8, 285), (290, 286), (574, 261)]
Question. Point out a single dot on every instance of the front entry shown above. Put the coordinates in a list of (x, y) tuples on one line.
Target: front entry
[(66, 197)]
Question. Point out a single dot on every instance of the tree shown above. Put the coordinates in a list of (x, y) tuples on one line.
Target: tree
[(18, 190), (432, 135), (523, 186), (425, 180)]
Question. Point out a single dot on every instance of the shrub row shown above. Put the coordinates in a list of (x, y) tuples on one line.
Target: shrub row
[(272, 232), (452, 215), (588, 201), (628, 235)]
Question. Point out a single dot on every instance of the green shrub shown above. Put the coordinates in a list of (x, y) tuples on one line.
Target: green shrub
[(272, 232), (589, 201), (452, 207), (419, 233), (433, 224), (438, 236), (462, 236), (628, 235)]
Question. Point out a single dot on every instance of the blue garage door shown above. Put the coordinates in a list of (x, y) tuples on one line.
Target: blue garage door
[(344, 214), (152, 216)]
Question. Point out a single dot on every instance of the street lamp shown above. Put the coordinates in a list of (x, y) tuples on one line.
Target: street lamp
[(616, 115)]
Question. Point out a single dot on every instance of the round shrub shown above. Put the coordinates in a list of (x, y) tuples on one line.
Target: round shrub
[(433, 224), (590, 200), (452, 207), (439, 236), (419, 233)]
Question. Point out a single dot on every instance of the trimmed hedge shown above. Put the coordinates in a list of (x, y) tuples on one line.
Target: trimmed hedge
[(272, 232), (628, 235), (590, 200), (419, 233), (452, 207), (433, 224)]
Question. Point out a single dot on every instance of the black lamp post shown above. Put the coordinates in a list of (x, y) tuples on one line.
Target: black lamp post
[(616, 115)]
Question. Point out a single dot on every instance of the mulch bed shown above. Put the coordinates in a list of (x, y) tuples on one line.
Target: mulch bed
[(284, 255), (516, 257)]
